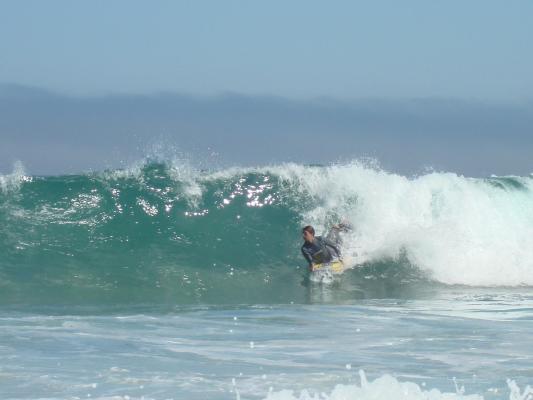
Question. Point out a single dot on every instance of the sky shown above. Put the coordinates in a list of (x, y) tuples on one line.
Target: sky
[(435, 80)]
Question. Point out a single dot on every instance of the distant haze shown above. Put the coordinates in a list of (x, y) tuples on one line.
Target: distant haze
[(54, 134)]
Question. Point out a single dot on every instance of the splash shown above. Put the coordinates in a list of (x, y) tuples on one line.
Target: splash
[(11, 182), (387, 387)]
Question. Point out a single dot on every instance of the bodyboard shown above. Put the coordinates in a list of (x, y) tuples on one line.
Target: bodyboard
[(336, 267)]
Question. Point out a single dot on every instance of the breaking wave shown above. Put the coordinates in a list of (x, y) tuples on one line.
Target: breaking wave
[(167, 233)]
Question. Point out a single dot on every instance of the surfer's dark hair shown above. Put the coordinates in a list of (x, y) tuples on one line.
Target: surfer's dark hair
[(309, 229)]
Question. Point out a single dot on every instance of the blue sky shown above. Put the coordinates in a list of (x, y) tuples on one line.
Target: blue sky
[(416, 84), (476, 49)]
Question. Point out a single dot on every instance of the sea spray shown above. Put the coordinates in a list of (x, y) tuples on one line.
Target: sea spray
[(387, 387)]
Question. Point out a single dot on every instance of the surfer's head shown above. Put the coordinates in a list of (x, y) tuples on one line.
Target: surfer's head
[(308, 233)]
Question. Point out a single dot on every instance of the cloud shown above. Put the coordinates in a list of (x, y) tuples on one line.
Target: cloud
[(52, 133)]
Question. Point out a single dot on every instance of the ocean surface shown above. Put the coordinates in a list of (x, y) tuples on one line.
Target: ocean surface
[(162, 281)]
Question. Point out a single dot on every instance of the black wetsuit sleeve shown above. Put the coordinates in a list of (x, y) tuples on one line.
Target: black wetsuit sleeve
[(332, 245), (307, 256)]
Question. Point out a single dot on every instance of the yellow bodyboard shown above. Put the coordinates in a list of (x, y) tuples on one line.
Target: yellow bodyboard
[(336, 267)]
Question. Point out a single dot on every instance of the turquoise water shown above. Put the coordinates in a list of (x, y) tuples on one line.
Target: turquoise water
[(161, 281)]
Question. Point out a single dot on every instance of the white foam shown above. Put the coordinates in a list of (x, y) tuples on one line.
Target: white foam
[(460, 230), (387, 387)]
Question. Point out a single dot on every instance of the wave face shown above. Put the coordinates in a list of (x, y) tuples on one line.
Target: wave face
[(166, 233)]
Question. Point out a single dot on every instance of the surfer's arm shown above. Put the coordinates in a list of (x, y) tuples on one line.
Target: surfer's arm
[(343, 226), (333, 246)]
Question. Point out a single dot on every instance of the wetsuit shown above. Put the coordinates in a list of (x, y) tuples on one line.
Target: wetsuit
[(321, 250)]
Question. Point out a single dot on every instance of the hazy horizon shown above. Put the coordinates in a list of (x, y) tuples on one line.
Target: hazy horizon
[(53, 133)]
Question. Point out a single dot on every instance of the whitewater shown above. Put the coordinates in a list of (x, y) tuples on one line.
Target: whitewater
[(163, 281)]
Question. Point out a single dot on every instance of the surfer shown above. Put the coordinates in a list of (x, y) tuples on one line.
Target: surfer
[(319, 250)]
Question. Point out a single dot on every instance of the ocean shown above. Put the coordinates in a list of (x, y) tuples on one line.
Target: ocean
[(163, 281)]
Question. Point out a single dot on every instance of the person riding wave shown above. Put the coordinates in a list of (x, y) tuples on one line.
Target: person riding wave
[(318, 249)]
